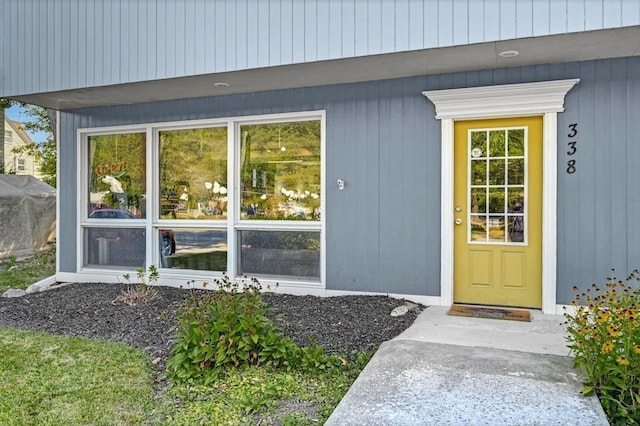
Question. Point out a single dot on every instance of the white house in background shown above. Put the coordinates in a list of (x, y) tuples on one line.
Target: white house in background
[(447, 151), (18, 163)]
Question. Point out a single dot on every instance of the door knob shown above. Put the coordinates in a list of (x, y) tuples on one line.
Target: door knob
[(458, 221)]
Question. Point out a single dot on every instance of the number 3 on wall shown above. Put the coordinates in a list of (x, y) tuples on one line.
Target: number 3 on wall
[(573, 132)]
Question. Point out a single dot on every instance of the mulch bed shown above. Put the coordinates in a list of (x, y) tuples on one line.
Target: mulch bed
[(338, 324)]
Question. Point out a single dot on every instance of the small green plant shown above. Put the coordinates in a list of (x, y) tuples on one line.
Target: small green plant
[(604, 336), (143, 293), (229, 328)]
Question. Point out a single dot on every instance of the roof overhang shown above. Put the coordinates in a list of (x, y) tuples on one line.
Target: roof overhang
[(610, 43)]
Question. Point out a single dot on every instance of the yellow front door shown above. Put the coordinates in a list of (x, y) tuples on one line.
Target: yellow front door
[(498, 212)]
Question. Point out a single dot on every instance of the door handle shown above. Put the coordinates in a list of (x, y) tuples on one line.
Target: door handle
[(458, 221)]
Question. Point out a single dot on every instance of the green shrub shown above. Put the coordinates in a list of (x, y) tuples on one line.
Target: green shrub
[(229, 328), (604, 336)]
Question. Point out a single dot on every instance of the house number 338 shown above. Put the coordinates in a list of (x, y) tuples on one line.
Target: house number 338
[(573, 133)]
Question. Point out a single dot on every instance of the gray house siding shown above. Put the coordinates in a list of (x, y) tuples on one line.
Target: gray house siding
[(120, 41), (383, 230)]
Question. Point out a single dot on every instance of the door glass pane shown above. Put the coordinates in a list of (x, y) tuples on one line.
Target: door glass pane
[(478, 144), (478, 172), (496, 143), (193, 173), (496, 228), (117, 176), (478, 200), (497, 190), (516, 143), (280, 171), (516, 228), (516, 172), (496, 200), (496, 172), (478, 227), (516, 200)]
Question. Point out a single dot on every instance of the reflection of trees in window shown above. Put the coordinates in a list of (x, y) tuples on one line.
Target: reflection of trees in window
[(193, 173), (117, 175), (280, 170)]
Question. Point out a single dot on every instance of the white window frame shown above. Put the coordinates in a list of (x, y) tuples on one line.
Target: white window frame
[(8, 137), (21, 164), (544, 99), (84, 221), (152, 223)]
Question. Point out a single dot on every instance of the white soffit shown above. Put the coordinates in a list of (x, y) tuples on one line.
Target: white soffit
[(501, 100)]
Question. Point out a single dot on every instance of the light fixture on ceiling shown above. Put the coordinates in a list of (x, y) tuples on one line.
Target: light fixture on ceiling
[(508, 53), (221, 84)]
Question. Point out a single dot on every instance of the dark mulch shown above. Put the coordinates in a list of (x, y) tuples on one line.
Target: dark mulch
[(338, 324)]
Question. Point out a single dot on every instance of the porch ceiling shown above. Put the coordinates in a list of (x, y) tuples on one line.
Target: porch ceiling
[(581, 46)]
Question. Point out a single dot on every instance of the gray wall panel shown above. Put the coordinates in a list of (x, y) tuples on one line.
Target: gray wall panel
[(96, 43), (631, 165), (383, 230)]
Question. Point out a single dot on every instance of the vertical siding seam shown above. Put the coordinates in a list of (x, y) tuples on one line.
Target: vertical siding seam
[(484, 27), (500, 19), (293, 54), (438, 23), (395, 26), (469, 22), (626, 155)]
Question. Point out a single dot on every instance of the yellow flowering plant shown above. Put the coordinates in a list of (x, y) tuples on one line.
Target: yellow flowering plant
[(604, 336)]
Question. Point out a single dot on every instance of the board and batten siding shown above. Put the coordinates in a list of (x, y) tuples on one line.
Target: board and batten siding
[(383, 230), (51, 45)]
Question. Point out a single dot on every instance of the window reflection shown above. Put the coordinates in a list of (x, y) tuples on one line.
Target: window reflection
[(290, 253), (280, 171), (193, 173), (193, 248), (114, 247), (117, 176)]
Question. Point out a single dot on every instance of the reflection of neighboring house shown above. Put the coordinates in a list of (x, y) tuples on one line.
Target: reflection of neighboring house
[(18, 163)]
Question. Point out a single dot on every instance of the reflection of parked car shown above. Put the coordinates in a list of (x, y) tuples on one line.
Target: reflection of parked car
[(167, 237), (167, 242)]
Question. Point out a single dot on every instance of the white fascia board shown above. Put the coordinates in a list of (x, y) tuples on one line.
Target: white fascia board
[(506, 100)]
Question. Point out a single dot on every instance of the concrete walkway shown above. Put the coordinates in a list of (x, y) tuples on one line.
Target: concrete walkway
[(447, 370)]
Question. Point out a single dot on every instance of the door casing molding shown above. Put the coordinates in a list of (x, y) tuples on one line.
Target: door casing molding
[(544, 99)]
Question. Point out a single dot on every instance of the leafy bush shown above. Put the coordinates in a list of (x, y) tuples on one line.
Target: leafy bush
[(229, 328), (604, 336), (143, 293)]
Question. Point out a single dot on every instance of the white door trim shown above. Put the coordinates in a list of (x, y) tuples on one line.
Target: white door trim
[(501, 101)]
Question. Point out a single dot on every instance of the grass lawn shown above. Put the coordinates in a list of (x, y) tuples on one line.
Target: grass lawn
[(55, 380), (21, 274), (52, 380)]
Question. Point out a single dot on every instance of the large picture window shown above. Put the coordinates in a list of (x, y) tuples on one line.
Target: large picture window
[(280, 171), (193, 173), (239, 195), (117, 176)]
